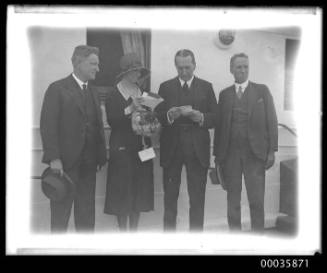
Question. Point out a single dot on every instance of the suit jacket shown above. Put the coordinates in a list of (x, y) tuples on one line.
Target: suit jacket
[(262, 122), (204, 100), (62, 123)]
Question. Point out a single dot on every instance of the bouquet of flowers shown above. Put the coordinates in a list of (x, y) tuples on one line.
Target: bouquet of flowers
[(145, 122)]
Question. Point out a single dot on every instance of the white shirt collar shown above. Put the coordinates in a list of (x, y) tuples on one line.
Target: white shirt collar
[(243, 85), (189, 82), (80, 83)]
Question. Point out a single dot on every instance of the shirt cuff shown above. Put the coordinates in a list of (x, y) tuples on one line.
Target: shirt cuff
[(202, 120)]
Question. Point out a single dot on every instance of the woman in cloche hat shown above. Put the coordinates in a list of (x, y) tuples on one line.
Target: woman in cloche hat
[(130, 189)]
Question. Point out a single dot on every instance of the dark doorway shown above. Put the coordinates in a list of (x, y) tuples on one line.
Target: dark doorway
[(109, 42), (111, 50)]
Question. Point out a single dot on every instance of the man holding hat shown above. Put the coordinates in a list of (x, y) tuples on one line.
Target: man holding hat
[(73, 140)]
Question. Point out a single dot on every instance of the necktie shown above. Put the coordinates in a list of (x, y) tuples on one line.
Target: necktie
[(84, 87), (185, 88), (239, 92)]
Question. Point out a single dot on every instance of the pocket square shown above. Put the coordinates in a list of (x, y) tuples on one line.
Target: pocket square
[(260, 100)]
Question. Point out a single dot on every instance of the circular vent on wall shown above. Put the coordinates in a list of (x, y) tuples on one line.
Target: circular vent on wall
[(225, 38)]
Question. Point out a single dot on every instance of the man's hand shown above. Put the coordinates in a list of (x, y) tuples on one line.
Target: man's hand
[(195, 116), (174, 113), (56, 166), (270, 160), (186, 110)]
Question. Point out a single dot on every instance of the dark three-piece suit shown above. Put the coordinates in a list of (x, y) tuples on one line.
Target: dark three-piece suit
[(72, 131), (246, 131), (185, 142)]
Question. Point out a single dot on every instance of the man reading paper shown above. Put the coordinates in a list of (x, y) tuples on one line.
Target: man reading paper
[(186, 114)]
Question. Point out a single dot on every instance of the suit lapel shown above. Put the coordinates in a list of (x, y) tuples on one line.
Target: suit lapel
[(194, 89), (75, 90), (230, 102), (251, 97), (175, 92)]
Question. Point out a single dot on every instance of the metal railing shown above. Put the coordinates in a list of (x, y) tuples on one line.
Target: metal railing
[(287, 128)]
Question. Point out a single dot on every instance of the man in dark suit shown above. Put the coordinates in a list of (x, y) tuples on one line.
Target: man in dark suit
[(186, 114), (73, 138), (246, 138)]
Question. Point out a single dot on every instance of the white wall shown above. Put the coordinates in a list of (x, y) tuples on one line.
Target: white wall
[(51, 50), (265, 50)]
